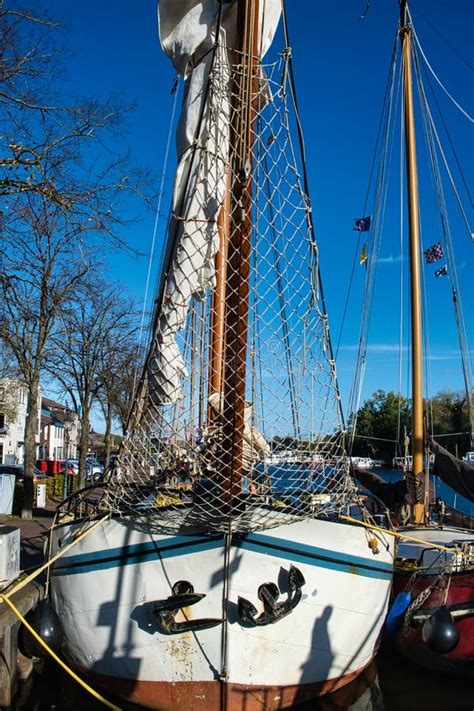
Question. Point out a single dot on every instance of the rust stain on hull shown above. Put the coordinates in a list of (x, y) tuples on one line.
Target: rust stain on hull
[(207, 695)]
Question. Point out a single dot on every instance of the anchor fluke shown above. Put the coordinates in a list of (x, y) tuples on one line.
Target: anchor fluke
[(268, 593), (183, 595)]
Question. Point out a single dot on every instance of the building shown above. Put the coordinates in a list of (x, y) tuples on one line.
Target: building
[(13, 409), (59, 431), (58, 427)]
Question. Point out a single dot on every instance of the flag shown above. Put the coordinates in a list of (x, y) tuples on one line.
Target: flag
[(443, 271), (363, 255), (362, 224), (432, 254)]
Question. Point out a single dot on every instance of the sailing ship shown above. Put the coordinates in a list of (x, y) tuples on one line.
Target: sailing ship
[(432, 616), (241, 588)]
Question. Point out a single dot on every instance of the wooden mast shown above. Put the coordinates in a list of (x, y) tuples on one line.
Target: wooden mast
[(414, 241), (216, 345), (239, 247)]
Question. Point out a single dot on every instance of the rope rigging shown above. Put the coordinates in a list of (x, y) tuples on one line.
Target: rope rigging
[(434, 146), (458, 106), (369, 184), (381, 190), (430, 134), (286, 366)]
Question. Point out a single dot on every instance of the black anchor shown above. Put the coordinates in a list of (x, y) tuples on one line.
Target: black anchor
[(269, 593), (183, 596)]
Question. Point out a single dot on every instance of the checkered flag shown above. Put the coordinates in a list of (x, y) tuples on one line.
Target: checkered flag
[(432, 254)]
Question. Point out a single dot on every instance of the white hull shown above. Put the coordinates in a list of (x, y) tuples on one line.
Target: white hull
[(105, 602)]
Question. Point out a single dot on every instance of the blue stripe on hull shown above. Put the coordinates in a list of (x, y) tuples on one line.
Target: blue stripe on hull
[(188, 545), (311, 555), (138, 553)]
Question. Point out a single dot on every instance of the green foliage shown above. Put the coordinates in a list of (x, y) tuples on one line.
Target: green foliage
[(55, 485), (380, 420), (385, 417), (54, 490), (447, 414)]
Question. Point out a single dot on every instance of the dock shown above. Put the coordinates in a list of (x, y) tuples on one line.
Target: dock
[(14, 666)]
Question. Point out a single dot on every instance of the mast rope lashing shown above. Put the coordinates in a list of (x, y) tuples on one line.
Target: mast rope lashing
[(184, 218)]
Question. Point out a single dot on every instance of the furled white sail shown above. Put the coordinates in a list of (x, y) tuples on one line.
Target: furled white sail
[(188, 34)]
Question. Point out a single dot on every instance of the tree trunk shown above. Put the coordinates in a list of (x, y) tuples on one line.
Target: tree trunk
[(84, 446), (107, 437), (31, 429)]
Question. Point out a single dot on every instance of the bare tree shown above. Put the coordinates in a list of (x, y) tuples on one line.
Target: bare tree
[(42, 136), (96, 320), (118, 379), (63, 189), (41, 268)]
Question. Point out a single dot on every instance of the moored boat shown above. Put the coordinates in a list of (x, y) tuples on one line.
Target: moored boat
[(437, 580), (245, 590), (432, 613), (108, 589)]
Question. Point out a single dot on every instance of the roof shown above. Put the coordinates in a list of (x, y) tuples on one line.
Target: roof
[(53, 404), (59, 412)]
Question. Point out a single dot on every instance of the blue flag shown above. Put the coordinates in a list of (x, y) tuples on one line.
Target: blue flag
[(362, 224)]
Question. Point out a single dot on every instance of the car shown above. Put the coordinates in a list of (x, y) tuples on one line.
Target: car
[(94, 471), (19, 472), (70, 466)]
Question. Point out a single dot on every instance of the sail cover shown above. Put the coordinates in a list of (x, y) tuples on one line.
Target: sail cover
[(454, 472), (188, 34)]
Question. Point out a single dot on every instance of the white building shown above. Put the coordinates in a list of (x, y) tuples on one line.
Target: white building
[(13, 409), (58, 427), (60, 430)]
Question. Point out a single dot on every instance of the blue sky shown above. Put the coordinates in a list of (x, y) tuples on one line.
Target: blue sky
[(341, 68)]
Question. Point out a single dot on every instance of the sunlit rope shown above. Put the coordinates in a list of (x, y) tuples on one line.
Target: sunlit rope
[(397, 534), (450, 141), (83, 534), (458, 106), (443, 155), (157, 217), (381, 193), (402, 282), (316, 267), (369, 184), (57, 659), (430, 131)]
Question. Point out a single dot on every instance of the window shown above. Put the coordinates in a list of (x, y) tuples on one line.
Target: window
[(2, 420)]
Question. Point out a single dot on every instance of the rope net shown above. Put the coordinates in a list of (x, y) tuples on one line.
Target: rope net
[(237, 421)]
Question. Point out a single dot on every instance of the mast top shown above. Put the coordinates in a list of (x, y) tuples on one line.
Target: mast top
[(404, 17)]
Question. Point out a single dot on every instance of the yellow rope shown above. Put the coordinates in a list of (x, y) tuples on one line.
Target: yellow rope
[(396, 534), (64, 550), (57, 659)]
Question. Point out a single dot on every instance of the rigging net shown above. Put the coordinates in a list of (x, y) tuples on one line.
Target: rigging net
[(243, 281)]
